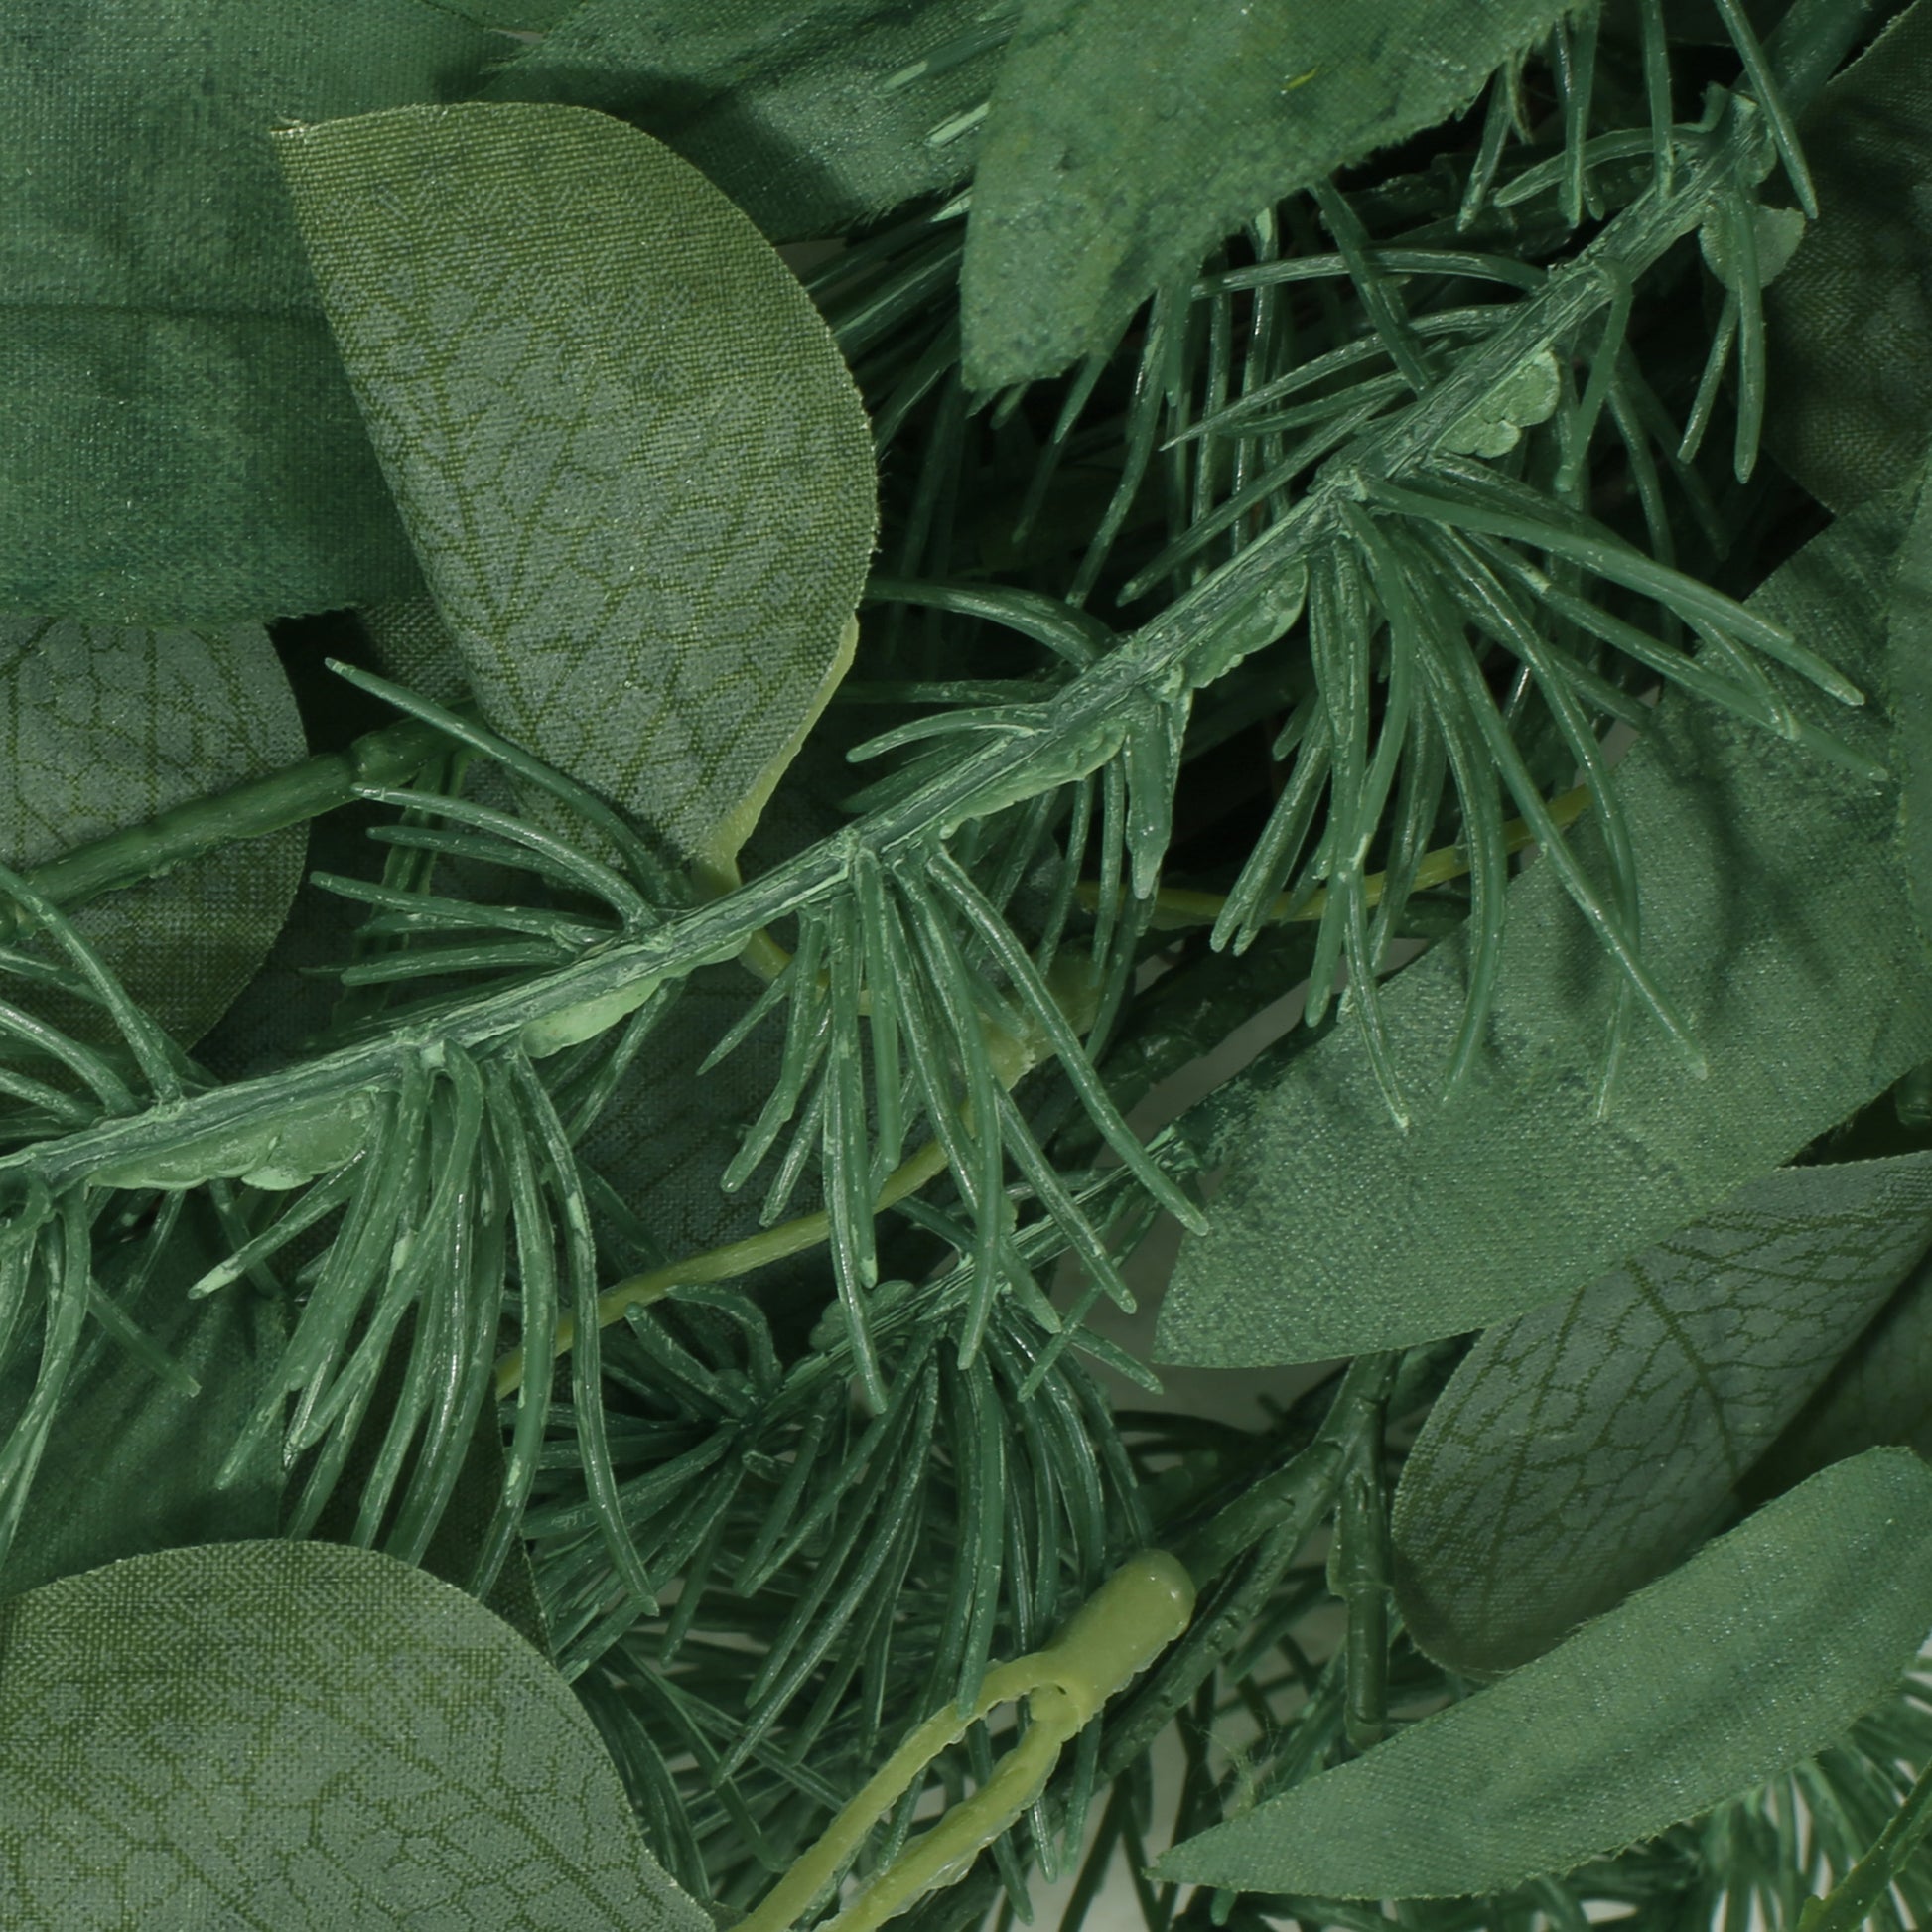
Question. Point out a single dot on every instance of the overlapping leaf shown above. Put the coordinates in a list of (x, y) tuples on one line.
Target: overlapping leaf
[(1579, 1452), (1126, 138), (1757, 1653), (1771, 912), (811, 117), (106, 728), (631, 458), (297, 1735), (1850, 321), (183, 448)]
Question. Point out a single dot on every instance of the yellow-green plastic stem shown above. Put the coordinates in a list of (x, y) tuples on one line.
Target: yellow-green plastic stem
[(1175, 910), (1121, 1628), (1011, 1059)]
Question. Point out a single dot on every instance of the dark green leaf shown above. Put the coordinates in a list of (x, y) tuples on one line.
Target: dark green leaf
[(1910, 619), (810, 116), (1579, 1452), (1879, 1393), (297, 1736), (1772, 914), (184, 448), (1126, 138), (130, 1458), (106, 728), (1757, 1653), (1850, 319), (633, 462)]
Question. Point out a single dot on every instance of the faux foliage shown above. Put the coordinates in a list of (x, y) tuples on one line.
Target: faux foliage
[(617, 840)]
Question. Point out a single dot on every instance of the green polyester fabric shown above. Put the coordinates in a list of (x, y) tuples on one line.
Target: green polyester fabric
[(105, 729), (632, 460), (1127, 137), (1581, 1450), (1773, 911), (812, 117), (1759, 1652), (307, 1738), (182, 446), (1848, 325)]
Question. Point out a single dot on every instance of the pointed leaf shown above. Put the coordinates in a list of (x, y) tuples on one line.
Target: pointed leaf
[(1579, 1452), (1771, 914), (1850, 323), (1757, 1653), (301, 1736), (1126, 138), (106, 728), (632, 461), (185, 449), (811, 117)]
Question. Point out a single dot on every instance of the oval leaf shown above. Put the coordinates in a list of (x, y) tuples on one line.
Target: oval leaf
[(1338, 1233), (106, 728), (1125, 139), (1579, 1452), (297, 1735), (632, 461), (1760, 1651)]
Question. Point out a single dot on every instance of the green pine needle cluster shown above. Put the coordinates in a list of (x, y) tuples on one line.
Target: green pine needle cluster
[(664, 662)]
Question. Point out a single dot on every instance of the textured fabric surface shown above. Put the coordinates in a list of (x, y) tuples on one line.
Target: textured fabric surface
[(1881, 1392), (1579, 1452), (1850, 323), (182, 446), (106, 728), (1127, 138), (631, 458), (1758, 1652), (1771, 912), (1910, 619), (800, 112), (299, 1735)]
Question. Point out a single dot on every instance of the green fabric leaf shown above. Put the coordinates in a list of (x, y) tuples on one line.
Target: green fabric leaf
[(1771, 912), (1881, 1392), (1760, 1651), (803, 114), (183, 448), (512, 16), (1126, 138), (297, 1736), (106, 728), (632, 461), (130, 1458), (1848, 325), (1579, 1452), (1910, 619)]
